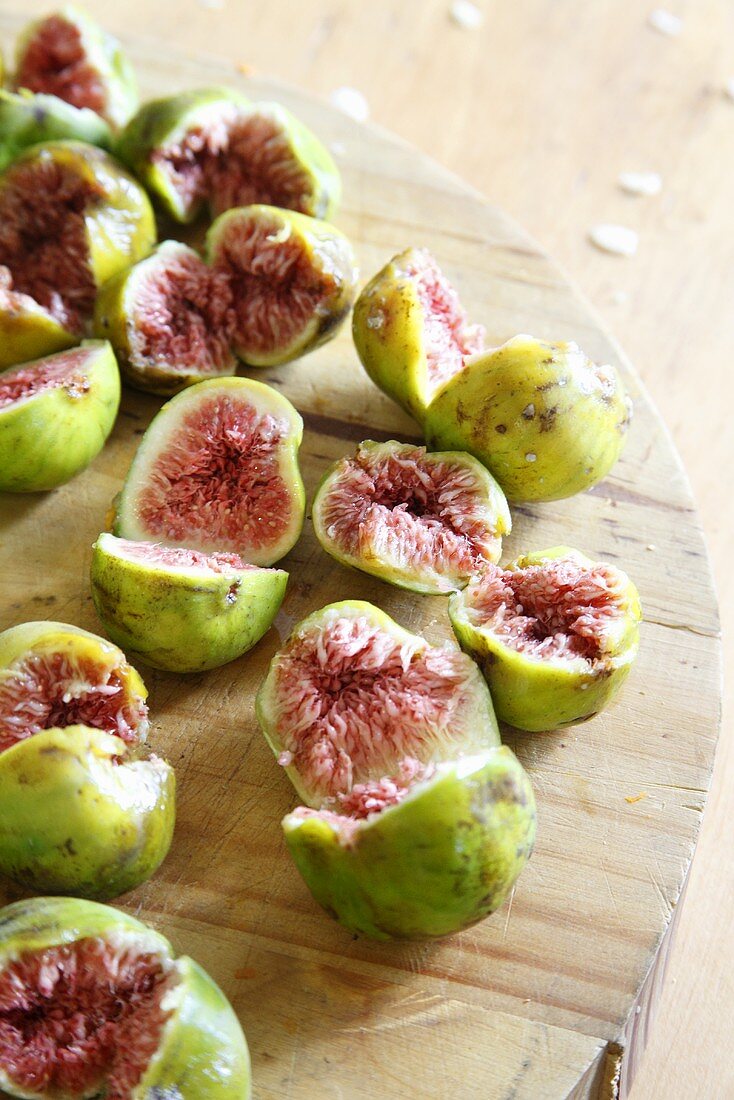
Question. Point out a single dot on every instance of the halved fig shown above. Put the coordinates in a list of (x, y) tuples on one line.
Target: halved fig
[(217, 471), (55, 415), (292, 280), (66, 54), (426, 522), (411, 331), (554, 632), (544, 419), (94, 1003), (212, 147), (83, 812), (170, 320), (352, 697), (178, 609), (27, 119), (70, 218)]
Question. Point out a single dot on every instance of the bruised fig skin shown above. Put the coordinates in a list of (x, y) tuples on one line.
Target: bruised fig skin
[(55, 416), (426, 522), (179, 610), (213, 148), (81, 810), (434, 858), (66, 54), (94, 1002), (217, 471), (554, 633), (544, 419), (27, 119), (411, 332)]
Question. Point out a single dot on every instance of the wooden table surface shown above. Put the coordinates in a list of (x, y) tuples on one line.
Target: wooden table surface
[(540, 109)]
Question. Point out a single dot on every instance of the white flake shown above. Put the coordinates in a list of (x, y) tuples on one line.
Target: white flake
[(617, 239), (665, 22), (530, 457), (640, 183), (351, 102), (619, 297), (729, 88), (466, 15)]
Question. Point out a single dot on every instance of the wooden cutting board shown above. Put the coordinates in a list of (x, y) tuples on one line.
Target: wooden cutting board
[(552, 996)]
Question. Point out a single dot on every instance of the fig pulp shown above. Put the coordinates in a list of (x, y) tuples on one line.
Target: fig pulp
[(217, 471), (411, 331), (214, 148), (94, 1003), (555, 634), (422, 521), (70, 218), (55, 415), (544, 419), (180, 610), (292, 279), (81, 810), (68, 56), (27, 119)]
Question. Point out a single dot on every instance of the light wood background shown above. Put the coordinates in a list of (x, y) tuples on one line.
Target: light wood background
[(540, 109)]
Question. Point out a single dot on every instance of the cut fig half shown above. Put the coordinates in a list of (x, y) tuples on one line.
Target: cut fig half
[(181, 610), (27, 119), (55, 416), (554, 632), (169, 318), (422, 521), (292, 281), (411, 331), (217, 471), (94, 1003), (212, 147), (67, 55)]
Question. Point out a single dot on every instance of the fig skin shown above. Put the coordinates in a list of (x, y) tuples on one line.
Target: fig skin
[(442, 859), (536, 415), (203, 1052), (535, 694), (179, 622), (49, 438), (28, 331), (27, 119)]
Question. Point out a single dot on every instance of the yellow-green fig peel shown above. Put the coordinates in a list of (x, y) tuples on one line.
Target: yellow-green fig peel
[(27, 119)]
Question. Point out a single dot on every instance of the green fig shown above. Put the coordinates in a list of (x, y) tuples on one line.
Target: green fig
[(95, 1003), (411, 331), (425, 522), (180, 610), (27, 119), (554, 633), (544, 419), (55, 415), (292, 279), (212, 147), (217, 471), (66, 54)]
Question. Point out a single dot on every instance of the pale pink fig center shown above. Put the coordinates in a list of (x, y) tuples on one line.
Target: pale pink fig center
[(180, 557), (81, 1018), (66, 370), (55, 62)]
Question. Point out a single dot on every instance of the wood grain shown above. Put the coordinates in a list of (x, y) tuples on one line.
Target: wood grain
[(556, 976)]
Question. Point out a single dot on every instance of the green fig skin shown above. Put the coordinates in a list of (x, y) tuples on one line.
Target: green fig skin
[(48, 438), (536, 694), (27, 119), (75, 822), (28, 331), (203, 1053), (182, 622), (536, 415), (442, 859)]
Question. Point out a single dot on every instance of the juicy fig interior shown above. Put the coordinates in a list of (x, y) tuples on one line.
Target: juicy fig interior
[(55, 62), (65, 369), (47, 689), (558, 609), (82, 1018), (179, 557)]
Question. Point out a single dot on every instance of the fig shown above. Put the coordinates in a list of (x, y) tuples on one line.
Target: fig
[(178, 609), (169, 318), (81, 810), (554, 632), (28, 119), (411, 331), (544, 419), (217, 471), (70, 218), (67, 55), (95, 1003), (212, 147), (422, 521), (292, 279), (55, 415)]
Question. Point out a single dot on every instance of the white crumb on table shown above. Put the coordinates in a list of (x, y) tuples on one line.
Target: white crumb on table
[(466, 15), (665, 22), (618, 297), (351, 102), (640, 183), (729, 88), (619, 240)]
